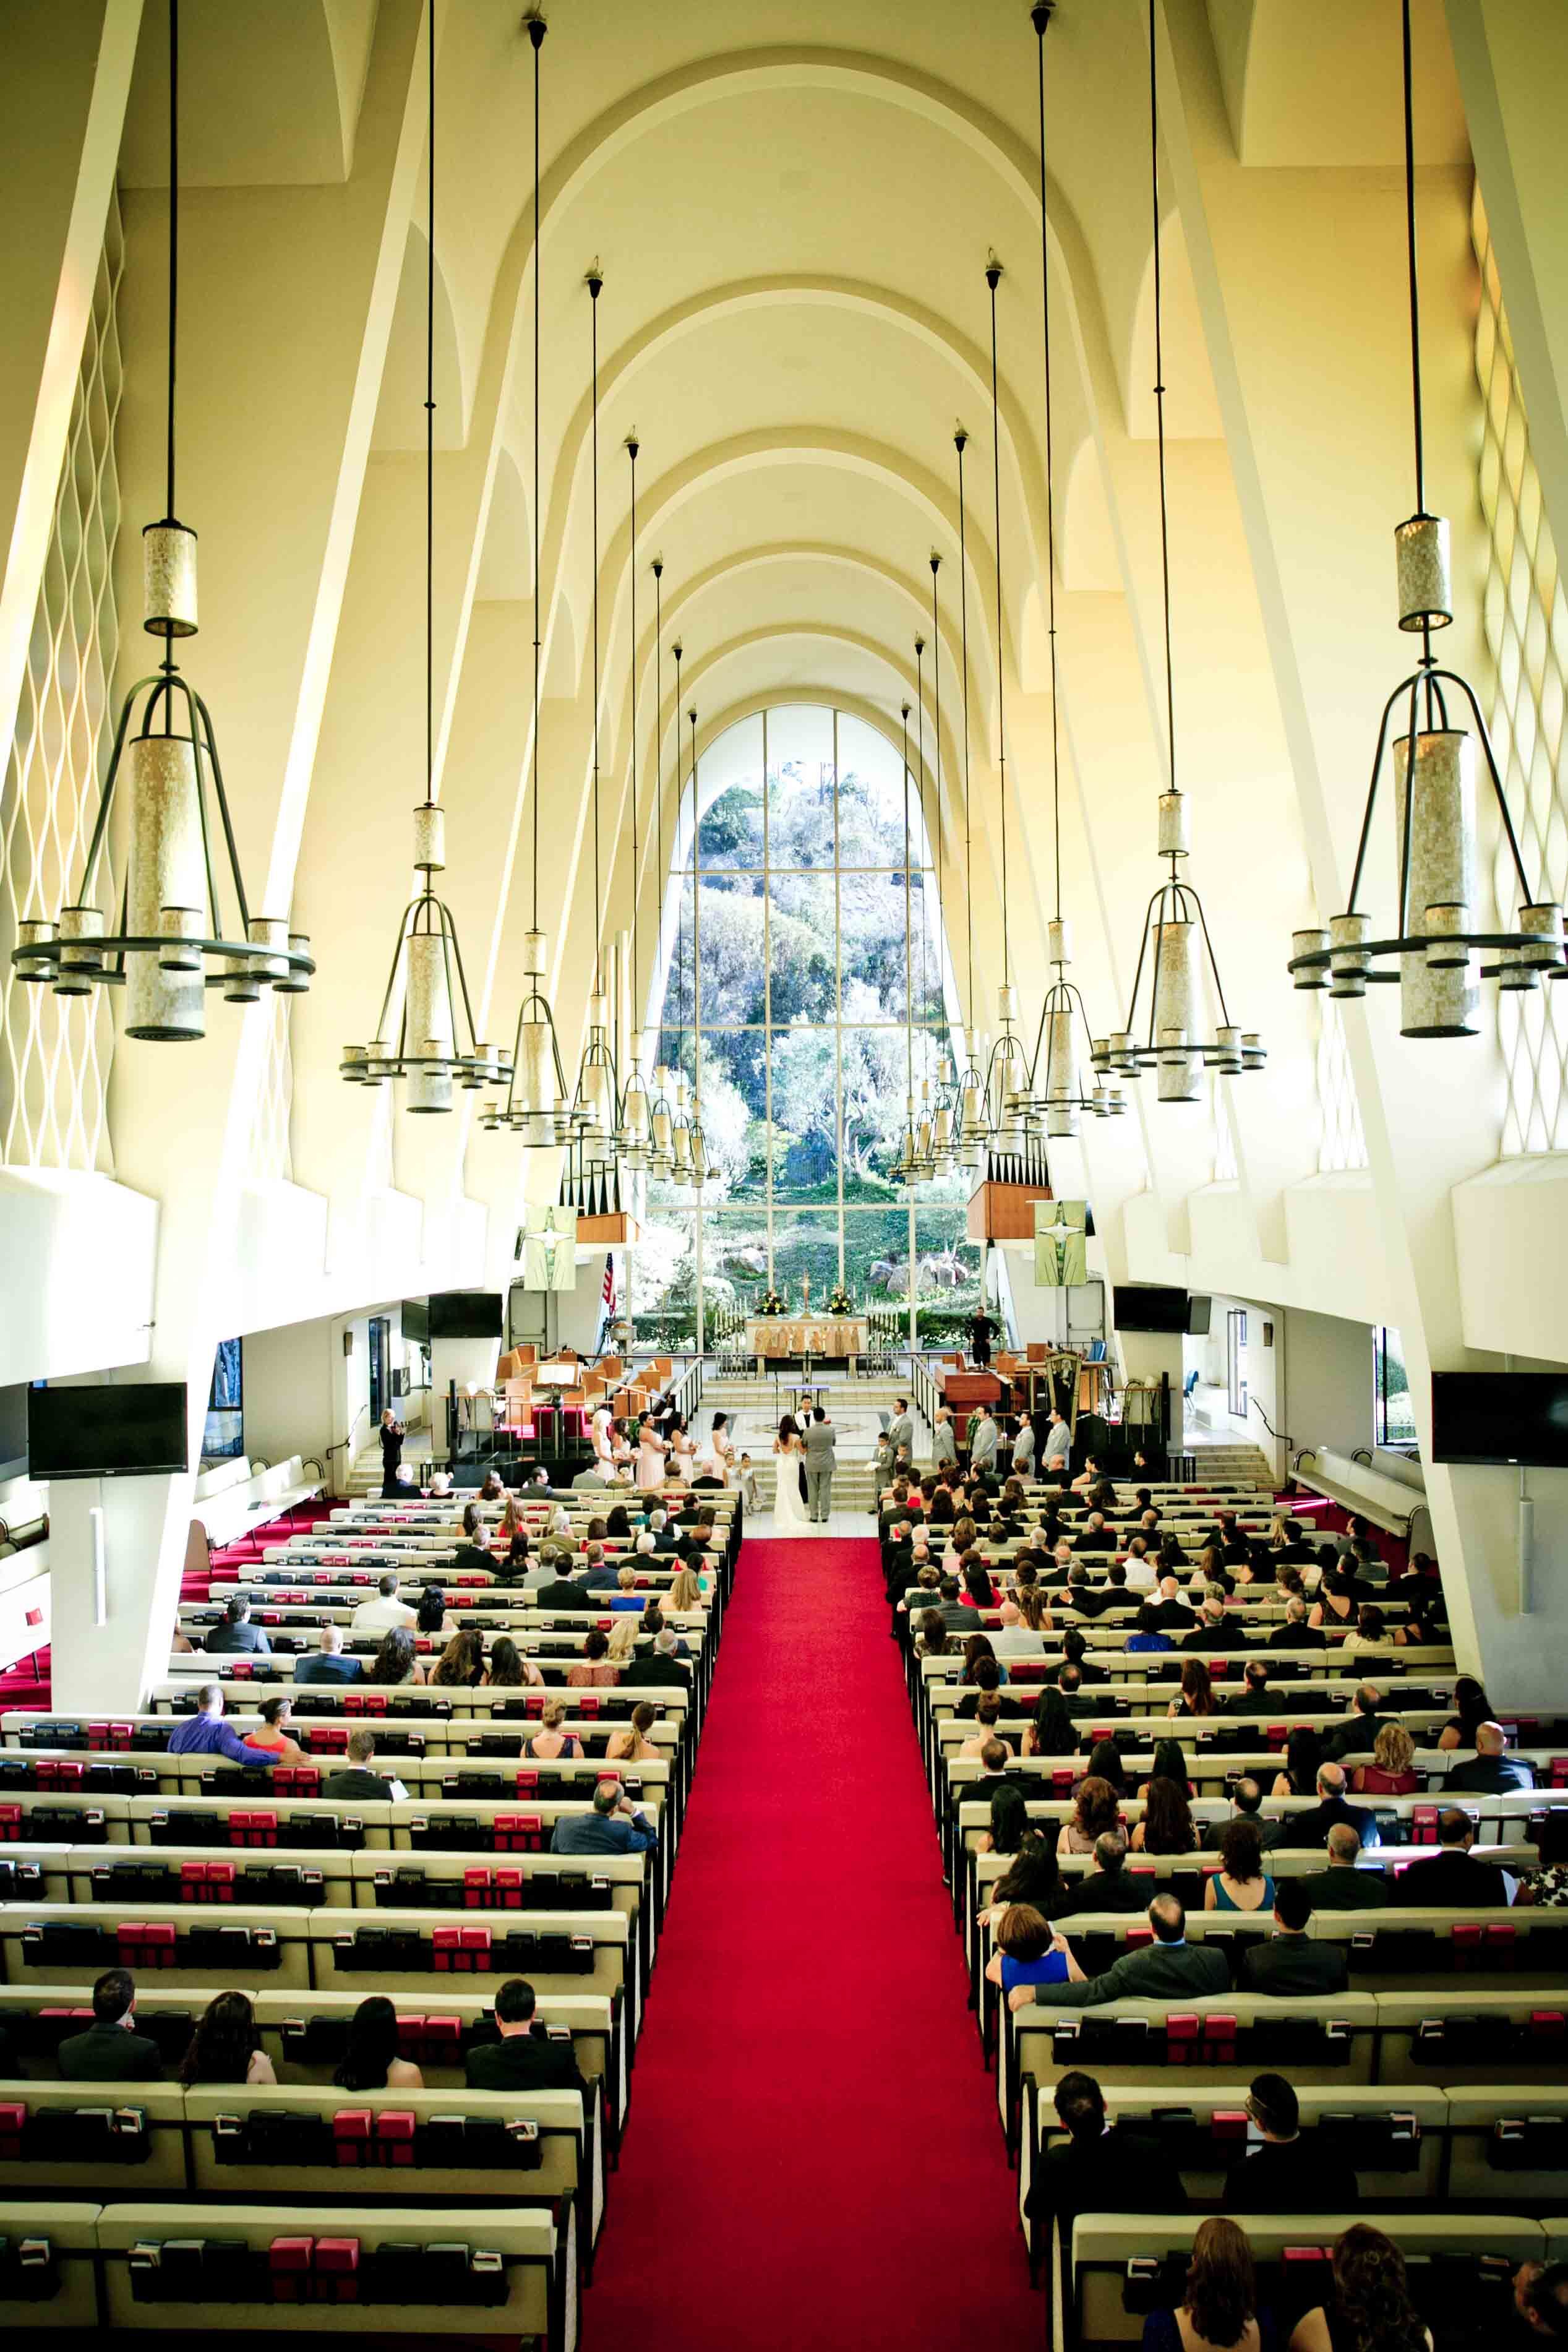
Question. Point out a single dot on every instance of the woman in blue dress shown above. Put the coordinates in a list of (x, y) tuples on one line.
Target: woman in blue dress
[(1218, 2311)]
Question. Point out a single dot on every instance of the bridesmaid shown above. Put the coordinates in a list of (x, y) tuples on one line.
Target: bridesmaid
[(651, 1452)]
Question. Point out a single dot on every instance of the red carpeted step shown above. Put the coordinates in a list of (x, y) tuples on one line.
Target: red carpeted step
[(814, 2154)]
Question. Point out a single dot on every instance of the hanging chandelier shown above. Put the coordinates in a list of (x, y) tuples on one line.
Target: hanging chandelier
[(924, 1122), (435, 1043), (633, 1136), (168, 947), (944, 1121), (1055, 1085), (535, 1106), (596, 1100), (1171, 1044), (662, 1117), (971, 1132), (1008, 1113), (1435, 937), (912, 1164)]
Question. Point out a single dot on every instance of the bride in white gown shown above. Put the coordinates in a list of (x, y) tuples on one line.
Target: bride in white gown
[(789, 1503)]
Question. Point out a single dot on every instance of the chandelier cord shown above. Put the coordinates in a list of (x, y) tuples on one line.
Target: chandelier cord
[(636, 877), (430, 428), (908, 1023), (959, 438), (937, 690), (1410, 249), (1160, 390), (993, 273), (594, 283), (537, 31), (1041, 18), (174, 247), (920, 787)]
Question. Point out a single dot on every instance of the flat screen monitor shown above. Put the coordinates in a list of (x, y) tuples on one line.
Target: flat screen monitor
[(414, 1321), (139, 1431), (1509, 1417), (1198, 1312), (1149, 1306), (466, 1314)]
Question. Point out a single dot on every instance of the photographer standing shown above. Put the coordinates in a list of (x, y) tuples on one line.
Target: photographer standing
[(392, 1434)]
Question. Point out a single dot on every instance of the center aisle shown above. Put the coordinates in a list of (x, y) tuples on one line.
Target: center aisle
[(813, 2153)]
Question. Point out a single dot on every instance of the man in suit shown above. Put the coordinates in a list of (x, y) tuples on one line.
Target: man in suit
[(1215, 1628), (1107, 1886), (1171, 1614), (983, 1436), (1295, 1633), (1491, 1773), (1246, 1804), (236, 1632), (1254, 1697), (1357, 1735), (1100, 2168), (1452, 1879), (1170, 1968), (354, 1782), (1312, 1829), (663, 1535), (821, 1463), (659, 1664), (1342, 1886), (112, 2051), (901, 1430), (524, 2058), (1058, 1456), (1290, 1966), (560, 1591), (614, 1825), (1095, 1535), (898, 1570), (329, 1664), (1280, 2173)]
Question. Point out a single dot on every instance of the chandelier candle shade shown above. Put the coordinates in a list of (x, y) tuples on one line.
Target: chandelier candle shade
[(168, 947), (970, 1087), (596, 1100), (1173, 922), (1432, 953)]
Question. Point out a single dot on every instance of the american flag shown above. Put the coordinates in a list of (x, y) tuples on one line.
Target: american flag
[(608, 1293)]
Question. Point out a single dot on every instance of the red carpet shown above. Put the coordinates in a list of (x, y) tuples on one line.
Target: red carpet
[(814, 2154)]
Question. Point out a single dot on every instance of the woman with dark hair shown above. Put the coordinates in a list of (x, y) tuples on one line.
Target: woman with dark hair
[(1241, 1883), (509, 1670), (394, 1662), (618, 1525), (1094, 1810), (978, 1646), (1370, 2309), (941, 1512), (1009, 1820), (933, 1640), (1197, 1691), (592, 1670), (980, 1509), (1051, 1732), (1151, 1635), (1471, 1709), (461, 1665), (977, 1590), (1170, 1764), (1106, 1764), (431, 1616), (1547, 1886), (1168, 1823), (1218, 2310), (1338, 1599), (1211, 1569), (1028, 1958), (225, 2046), (515, 1567), (1303, 1760), (1034, 1876), (473, 1518), (274, 1735), (1171, 1556), (1371, 1630), (371, 2061)]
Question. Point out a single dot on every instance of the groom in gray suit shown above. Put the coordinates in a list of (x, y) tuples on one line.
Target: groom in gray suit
[(821, 1464)]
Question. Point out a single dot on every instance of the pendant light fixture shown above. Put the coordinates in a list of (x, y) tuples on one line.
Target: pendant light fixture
[(535, 1105), (1171, 1043), (1435, 935), (1009, 1116), (697, 1142), (633, 1139), (1054, 1083), (596, 1100), (970, 1085), (169, 947), (662, 1117), (681, 1116), (943, 1124), (905, 1169), (924, 1125)]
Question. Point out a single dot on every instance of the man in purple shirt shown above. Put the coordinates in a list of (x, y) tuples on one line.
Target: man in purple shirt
[(206, 1734)]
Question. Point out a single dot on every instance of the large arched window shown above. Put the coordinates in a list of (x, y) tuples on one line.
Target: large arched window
[(783, 972)]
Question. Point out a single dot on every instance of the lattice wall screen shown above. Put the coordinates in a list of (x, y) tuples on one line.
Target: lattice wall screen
[(1526, 618), (55, 1052), (1340, 1140)]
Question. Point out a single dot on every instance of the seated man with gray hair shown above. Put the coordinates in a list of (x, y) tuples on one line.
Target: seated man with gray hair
[(329, 1665)]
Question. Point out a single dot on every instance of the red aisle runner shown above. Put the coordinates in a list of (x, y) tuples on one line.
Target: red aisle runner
[(814, 2154)]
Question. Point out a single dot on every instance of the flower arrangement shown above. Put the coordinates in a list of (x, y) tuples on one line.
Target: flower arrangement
[(771, 1303), (839, 1303)]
